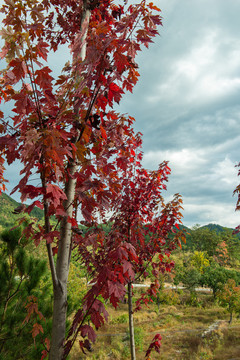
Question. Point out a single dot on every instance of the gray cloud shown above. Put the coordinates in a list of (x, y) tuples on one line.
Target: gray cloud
[(187, 106)]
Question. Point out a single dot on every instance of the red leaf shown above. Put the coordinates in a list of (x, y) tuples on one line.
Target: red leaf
[(155, 345), (55, 194), (43, 79), (42, 49), (35, 203), (88, 331), (37, 328), (103, 132), (72, 221), (114, 93), (19, 69)]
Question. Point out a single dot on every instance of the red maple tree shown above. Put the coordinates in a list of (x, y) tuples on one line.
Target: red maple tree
[(64, 131), (142, 233)]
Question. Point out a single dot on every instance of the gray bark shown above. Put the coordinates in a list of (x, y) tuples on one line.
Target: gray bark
[(131, 325), (62, 270)]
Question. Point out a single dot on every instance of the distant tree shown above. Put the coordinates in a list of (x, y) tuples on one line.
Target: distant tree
[(232, 242), (215, 276), (199, 261), (23, 280), (205, 240), (229, 297), (189, 273), (189, 276)]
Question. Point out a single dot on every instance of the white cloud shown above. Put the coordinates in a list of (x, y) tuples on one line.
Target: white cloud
[(210, 213), (181, 161), (224, 173), (207, 71)]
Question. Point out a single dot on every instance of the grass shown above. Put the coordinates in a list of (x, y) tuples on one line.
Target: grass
[(180, 326)]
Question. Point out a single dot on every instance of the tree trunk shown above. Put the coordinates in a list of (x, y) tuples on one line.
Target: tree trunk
[(64, 247), (62, 270), (131, 326)]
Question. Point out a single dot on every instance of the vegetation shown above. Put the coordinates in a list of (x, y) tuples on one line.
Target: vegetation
[(73, 147), (79, 156), (180, 316), (229, 297), (8, 216), (181, 326), (24, 288)]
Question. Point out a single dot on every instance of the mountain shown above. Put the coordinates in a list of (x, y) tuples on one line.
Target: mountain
[(8, 219), (7, 206), (217, 228)]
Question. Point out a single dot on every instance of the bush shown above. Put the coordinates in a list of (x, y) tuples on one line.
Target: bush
[(166, 296)]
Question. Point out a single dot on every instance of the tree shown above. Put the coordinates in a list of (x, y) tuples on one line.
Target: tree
[(206, 240), (215, 276), (142, 233), (64, 131), (190, 272), (233, 246), (199, 261), (21, 277), (229, 297)]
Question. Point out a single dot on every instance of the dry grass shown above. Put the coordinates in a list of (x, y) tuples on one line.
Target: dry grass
[(181, 328)]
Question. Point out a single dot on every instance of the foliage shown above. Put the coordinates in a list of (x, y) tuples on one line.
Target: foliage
[(217, 242), (190, 277), (23, 280), (216, 276), (190, 271), (73, 147), (167, 297), (229, 297), (199, 261), (205, 240), (195, 270), (8, 216), (139, 237)]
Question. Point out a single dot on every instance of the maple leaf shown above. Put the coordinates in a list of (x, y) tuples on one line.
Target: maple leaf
[(97, 319), (155, 344), (55, 194), (19, 69), (103, 132), (88, 331), (36, 329), (51, 236), (41, 49), (43, 79), (121, 60), (114, 93), (35, 203)]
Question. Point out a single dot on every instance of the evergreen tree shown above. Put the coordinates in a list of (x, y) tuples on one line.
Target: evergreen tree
[(23, 277)]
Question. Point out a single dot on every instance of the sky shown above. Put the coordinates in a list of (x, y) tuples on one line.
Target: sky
[(187, 106)]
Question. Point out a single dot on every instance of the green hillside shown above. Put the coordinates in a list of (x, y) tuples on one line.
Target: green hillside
[(7, 206), (217, 228), (7, 218)]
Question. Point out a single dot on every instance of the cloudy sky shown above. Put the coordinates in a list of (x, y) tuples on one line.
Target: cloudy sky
[(187, 106)]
